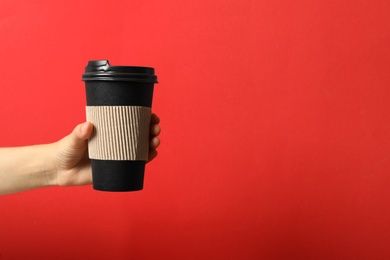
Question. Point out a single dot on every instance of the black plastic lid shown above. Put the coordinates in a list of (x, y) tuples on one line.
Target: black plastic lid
[(102, 70)]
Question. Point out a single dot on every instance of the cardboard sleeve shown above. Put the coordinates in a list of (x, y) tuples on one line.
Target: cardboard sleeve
[(120, 132)]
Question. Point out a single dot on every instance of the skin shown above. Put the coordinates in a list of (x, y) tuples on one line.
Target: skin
[(63, 163)]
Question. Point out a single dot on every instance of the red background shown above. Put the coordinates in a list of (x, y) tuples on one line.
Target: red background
[(275, 119)]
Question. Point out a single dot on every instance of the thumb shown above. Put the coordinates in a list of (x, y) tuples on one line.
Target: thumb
[(80, 134)]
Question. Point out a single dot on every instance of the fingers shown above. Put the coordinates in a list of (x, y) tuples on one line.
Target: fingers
[(154, 143), (154, 119), (154, 127), (83, 131), (155, 130), (152, 155), (80, 134)]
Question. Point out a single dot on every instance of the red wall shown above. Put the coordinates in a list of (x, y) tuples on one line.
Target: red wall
[(275, 118)]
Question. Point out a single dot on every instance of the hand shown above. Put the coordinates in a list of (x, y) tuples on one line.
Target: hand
[(70, 158)]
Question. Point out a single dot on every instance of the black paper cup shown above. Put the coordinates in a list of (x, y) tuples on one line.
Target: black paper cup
[(119, 101)]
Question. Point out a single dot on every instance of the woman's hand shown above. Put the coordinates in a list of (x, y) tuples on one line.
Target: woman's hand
[(70, 155)]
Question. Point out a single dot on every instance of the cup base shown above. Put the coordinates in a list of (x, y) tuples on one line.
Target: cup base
[(109, 175)]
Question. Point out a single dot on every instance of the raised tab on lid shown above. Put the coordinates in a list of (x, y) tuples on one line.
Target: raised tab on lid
[(97, 65)]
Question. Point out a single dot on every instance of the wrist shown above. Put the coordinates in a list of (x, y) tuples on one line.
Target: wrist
[(49, 167), (26, 168)]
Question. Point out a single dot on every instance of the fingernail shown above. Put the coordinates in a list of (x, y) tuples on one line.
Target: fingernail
[(84, 127)]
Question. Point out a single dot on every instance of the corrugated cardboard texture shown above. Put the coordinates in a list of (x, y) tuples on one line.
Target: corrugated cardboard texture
[(120, 132)]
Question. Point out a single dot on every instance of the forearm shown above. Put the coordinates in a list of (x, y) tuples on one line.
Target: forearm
[(25, 168)]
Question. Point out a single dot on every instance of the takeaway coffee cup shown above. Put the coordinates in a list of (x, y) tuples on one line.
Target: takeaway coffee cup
[(119, 101)]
